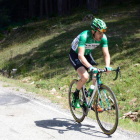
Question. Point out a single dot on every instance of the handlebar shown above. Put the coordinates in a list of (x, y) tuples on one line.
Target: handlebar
[(117, 71), (105, 70)]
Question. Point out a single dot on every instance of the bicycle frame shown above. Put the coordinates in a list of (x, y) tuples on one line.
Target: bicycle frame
[(96, 88)]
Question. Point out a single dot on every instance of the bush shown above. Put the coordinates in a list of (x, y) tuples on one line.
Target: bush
[(4, 18), (1, 36)]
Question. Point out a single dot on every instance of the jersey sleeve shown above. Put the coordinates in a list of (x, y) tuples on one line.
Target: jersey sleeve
[(82, 39), (104, 42)]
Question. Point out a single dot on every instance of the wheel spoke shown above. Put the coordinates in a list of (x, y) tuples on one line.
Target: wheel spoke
[(77, 113), (108, 119)]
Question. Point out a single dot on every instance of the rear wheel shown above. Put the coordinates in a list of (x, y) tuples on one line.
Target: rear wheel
[(108, 117), (77, 113)]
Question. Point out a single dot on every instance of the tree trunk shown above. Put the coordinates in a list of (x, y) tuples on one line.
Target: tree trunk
[(117, 1), (69, 6), (64, 7), (55, 6), (41, 9), (90, 4), (51, 7), (47, 9), (60, 7), (74, 4), (31, 8), (81, 2), (95, 7), (99, 3)]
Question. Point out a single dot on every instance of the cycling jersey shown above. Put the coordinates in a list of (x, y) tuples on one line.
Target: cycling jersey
[(76, 63), (85, 40)]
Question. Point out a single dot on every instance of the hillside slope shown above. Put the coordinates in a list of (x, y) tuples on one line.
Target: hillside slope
[(39, 51)]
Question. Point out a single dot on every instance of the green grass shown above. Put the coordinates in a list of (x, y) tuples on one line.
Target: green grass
[(40, 51), (6, 85)]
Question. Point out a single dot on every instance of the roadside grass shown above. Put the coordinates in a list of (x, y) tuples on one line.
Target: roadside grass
[(40, 51)]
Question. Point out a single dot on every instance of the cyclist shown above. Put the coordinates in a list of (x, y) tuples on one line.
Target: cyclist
[(80, 54)]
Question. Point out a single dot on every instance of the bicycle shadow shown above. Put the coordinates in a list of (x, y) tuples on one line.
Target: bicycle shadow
[(62, 125)]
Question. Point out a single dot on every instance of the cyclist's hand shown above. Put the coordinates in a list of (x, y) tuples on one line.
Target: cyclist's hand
[(94, 69), (108, 69)]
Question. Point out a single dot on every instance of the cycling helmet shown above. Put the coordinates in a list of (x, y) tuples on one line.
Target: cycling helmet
[(98, 25)]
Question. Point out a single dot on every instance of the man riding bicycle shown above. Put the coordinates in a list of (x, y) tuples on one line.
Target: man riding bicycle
[(80, 54)]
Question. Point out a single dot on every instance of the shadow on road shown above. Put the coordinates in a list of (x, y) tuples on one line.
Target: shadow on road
[(62, 125)]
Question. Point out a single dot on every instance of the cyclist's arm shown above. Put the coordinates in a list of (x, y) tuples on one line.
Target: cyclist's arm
[(106, 56), (82, 58), (81, 49), (104, 43)]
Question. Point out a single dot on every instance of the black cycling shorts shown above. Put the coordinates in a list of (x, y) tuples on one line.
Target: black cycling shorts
[(76, 63)]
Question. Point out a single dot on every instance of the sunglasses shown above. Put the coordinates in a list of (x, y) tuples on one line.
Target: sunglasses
[(101, 30)]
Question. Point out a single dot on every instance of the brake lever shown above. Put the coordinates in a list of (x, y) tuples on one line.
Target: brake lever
[(90, 76), (116, 76), (117, 70), (120, 74)]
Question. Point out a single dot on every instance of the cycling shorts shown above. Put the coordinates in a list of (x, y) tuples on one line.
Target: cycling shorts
[(76, 63)]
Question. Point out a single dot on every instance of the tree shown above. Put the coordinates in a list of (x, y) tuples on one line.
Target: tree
[(55, 7), (32, 8), (117, 1), (81, 2), (41, 9), (69, 6), (47, 9), (89, 4), (95, 6), (51, 7), (64, 7), (59, 4)]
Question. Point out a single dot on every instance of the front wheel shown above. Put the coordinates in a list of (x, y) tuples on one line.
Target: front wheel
[(108, 117), (77, 113)]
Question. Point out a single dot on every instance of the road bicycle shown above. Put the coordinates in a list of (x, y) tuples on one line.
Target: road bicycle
[(101, 96)]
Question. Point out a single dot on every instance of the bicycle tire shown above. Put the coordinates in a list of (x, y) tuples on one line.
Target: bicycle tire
[(107, 122), (77, 113)]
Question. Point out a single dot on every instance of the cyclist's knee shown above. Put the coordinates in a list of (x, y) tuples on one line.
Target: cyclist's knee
[(85, 77), (83, 74)]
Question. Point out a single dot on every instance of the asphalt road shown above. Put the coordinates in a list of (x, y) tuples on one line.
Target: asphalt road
[(30, 117)]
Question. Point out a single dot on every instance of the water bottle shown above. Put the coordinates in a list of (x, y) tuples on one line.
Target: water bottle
[(90, 91)]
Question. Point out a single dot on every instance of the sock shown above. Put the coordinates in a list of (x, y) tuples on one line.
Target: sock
[(77, 92)]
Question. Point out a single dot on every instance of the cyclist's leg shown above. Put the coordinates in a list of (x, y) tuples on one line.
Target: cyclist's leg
[(83, 77), (79, 67)]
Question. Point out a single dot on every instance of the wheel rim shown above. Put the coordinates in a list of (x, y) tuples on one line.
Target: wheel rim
[(108, 120), (76, 112)]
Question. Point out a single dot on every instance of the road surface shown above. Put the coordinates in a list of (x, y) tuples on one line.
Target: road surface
[(29, 117)]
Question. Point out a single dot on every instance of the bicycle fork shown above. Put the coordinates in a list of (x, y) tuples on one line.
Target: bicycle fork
[(106, 99)]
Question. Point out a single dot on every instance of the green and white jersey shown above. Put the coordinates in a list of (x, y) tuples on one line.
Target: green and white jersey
[(86, 41)]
